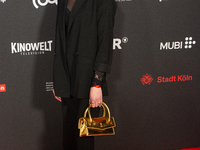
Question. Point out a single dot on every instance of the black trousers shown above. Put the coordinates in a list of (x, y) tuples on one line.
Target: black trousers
[(73, 109)]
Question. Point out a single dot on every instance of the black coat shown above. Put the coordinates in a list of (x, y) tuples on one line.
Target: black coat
[(88, 46)]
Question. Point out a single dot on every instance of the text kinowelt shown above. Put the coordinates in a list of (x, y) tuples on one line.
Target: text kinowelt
[(31, 47)]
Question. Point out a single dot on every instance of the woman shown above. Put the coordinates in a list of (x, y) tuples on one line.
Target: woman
[(83, 55)]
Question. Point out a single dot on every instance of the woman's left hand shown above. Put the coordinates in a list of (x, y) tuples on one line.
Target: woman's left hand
[(96, 97)]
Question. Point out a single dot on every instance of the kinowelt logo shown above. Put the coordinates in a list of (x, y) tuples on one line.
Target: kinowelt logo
[(31, 48), (38, 3), (117, 42), (147, 79), (187, 44)]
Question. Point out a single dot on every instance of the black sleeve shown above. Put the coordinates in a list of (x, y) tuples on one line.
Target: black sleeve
[(105, 22), (97, 79)]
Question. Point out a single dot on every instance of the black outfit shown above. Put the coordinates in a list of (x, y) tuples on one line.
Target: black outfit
[(83, 56), (73, 109), (88, 46)]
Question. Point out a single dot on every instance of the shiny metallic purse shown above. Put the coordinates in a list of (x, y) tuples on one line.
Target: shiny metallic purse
[(96, 126)]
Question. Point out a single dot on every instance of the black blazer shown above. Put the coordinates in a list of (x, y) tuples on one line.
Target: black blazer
[(88, 47)]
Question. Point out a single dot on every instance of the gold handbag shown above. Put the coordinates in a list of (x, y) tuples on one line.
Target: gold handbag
[(96, 126)]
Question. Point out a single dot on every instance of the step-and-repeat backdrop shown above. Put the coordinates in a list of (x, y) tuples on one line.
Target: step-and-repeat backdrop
[(154, 92)]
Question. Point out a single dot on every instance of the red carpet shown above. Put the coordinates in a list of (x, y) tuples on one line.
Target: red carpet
[(197, 148)]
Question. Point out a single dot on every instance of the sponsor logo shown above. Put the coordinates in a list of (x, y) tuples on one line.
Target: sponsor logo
[(38, 3), (187, 44), (3, 1), (49, 86), (117, 42), (31, 48), (162, 0), (2, 88), (178, 78), (123, 0), (146, 79)]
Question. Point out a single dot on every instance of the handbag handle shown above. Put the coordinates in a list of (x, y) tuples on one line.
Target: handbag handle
[(103, 105), (88, 108)]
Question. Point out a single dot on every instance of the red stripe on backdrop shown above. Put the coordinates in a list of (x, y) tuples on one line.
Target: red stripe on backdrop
[(197, 148)]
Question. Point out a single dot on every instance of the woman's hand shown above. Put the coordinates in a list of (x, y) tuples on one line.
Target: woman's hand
[(58, 98), (96, 97)]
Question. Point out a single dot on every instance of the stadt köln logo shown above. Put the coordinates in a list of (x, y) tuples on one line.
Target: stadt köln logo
[(147, 79)]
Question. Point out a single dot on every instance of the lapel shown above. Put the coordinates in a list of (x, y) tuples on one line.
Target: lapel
[(74, 11)]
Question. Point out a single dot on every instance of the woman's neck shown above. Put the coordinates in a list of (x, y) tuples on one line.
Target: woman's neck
[(70, 4)]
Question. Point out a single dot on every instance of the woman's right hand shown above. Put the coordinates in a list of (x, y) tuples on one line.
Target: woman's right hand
[(58, 98), (96, 97)]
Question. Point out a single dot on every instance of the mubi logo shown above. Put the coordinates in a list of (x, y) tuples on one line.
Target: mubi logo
[(187, 44), (117, 42), (38, 3)]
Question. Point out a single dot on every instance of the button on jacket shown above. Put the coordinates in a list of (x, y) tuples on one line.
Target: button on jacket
[(83, 47)]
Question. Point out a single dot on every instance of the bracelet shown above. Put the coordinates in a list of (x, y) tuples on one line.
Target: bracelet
[(96, 86)]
